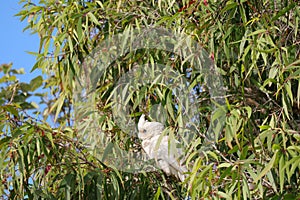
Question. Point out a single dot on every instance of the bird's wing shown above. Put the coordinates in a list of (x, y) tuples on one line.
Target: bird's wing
[(166, 154), (168, 158)]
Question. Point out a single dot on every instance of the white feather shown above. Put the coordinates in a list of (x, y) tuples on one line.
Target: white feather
[(168, 160)]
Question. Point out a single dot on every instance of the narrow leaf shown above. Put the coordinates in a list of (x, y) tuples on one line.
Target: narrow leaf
[(267, 168)]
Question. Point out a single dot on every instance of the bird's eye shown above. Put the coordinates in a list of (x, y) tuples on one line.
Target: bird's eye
[(144, 131)]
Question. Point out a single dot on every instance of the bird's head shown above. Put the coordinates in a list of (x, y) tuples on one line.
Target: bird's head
[(141, 128), (142, 121), (148, 129)]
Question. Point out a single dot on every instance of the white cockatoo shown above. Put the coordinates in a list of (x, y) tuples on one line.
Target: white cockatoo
[(168, 161)]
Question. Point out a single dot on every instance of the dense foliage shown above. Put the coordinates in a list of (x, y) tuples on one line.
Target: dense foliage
[(254, 46)]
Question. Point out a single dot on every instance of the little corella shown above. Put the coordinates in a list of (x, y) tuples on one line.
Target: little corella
[(157, 147)]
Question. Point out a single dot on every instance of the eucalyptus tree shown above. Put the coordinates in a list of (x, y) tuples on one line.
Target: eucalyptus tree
[(222, 76)]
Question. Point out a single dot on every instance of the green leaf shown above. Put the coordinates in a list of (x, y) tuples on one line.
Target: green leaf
[(70, 42), (288, 89), (285, 106), (257, 32), (11, 109), (169, 105), (79, 30), (224, 195), (249, 111), (298, 94), (36, 83), (267, 168), (46, 47), (93, 18), (58, 105), (157, 194), (4, 141), (281, 172), (284, 11), (229, 5), (108, 150)]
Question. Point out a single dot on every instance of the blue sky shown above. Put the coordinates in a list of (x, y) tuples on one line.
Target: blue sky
[(15, 42)]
